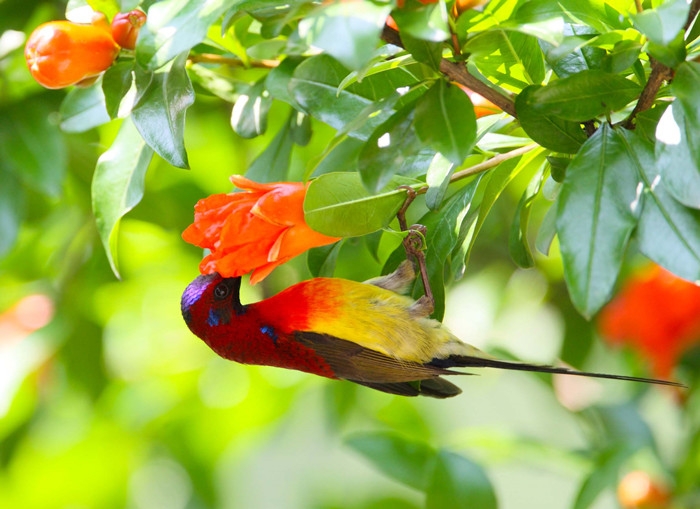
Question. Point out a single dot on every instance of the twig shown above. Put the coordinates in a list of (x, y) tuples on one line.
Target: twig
[(659, 74), (211, 58), (458, 72), (491, 163)]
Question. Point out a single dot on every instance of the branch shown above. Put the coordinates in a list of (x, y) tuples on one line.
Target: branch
[(211, 58), (494, 161), (458, 72), (659, 74)]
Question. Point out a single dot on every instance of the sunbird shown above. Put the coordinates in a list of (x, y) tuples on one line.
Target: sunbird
[(368, 333)]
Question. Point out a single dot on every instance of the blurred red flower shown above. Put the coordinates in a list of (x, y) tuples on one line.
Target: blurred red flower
[(255, 230), (657, 314)]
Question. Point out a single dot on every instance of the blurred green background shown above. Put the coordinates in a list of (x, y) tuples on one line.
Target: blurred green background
[(114, 403)]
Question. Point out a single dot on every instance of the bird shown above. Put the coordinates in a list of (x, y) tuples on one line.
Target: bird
[(369, 333)]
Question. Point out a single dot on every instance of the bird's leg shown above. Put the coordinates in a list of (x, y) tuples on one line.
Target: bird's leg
[(415, 247), (401, 214)]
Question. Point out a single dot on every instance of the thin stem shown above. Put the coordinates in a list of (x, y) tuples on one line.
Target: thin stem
[(211, 58), (493, 162), (659, 74)]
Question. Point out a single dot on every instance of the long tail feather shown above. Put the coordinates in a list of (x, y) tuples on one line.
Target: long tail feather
[(460, 361)]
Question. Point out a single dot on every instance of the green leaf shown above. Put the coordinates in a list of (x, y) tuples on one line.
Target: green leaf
[(438, 179), (445, 121), (392, 144), (11, 209), (339, 157), (314, 87), (278, 81), (599, 15), (321, 260), (459, 483), (509, 58), (549, 131), (406, 461), (685, 88), (623, 55), (159, 111), (668, 232), (426, 52), (83, 109), (272, 165), (174, 27), (209, 82), (32, 148), (273, 16), (387, 58), (584, 96), (574, 54), (597, 211), (116, 82), (117, 185), (675, 160), (495, 183), (662, 24), (300, 128), (672, 54), (345, 30), (249, 114), (337, 204), (518, 244), (426, 22), (530, 18), (547, 232)]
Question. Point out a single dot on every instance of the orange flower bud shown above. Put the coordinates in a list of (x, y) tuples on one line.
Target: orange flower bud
[(62, 53), (126, 26), (255, 230), (638, 491)]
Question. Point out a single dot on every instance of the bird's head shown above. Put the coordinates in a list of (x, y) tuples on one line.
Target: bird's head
[(210, 301)]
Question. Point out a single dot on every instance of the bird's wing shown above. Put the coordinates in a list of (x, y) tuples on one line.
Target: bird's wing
[(363, 365), (433, 387)]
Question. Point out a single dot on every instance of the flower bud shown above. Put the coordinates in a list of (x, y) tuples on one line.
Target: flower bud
[(126, 26), (62, 53)]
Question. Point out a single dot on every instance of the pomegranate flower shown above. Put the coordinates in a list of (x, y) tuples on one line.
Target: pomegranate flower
[(657, 314), (255, 230)]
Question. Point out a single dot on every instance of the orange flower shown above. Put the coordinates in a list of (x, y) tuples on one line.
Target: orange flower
[(255, 230), (656, 313)]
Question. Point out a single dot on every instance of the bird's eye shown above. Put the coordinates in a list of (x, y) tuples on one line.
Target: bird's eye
[(221, 291)]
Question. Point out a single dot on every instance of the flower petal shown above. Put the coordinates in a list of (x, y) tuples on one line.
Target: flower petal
[(248, 185), (262, 272), (294, 241), (209, 217), (283, 205)]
